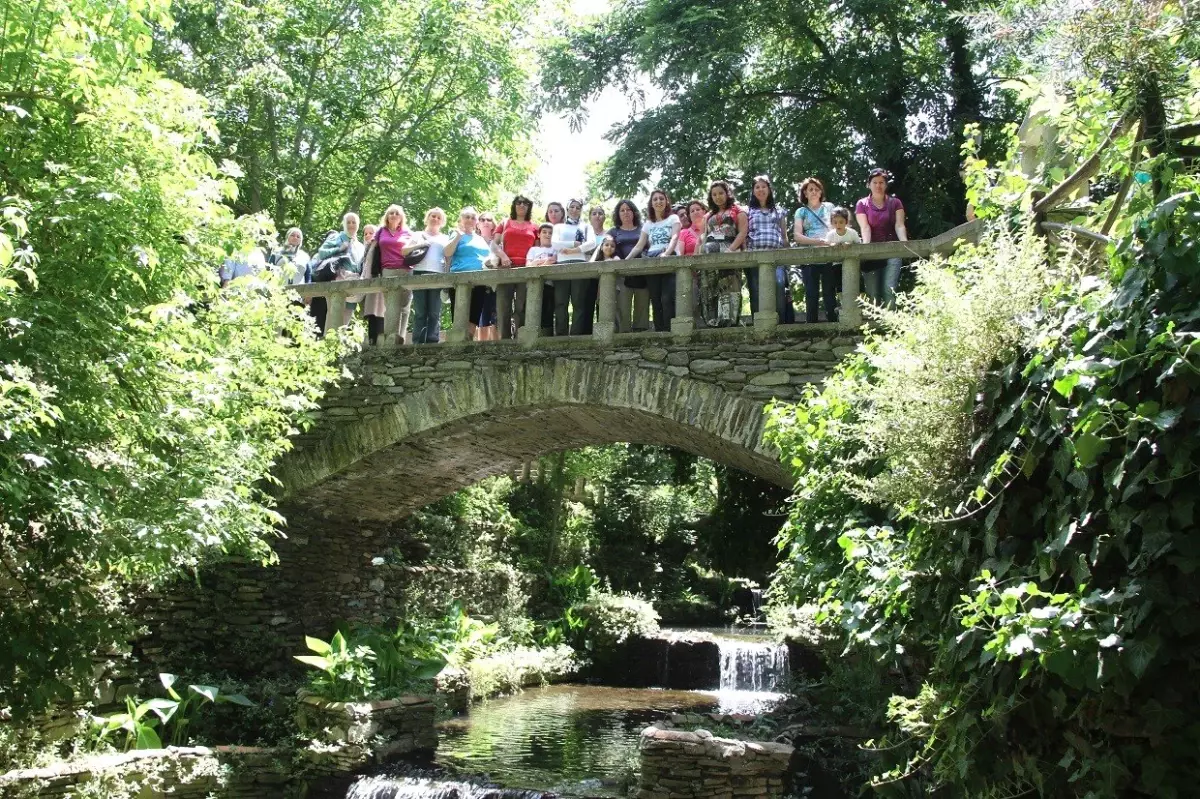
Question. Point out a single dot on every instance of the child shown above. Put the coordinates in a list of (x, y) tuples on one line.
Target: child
[(608, 250), (842, 233), (542, 253)]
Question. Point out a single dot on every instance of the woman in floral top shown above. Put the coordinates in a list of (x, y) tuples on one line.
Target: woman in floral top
[(724, 231), (767, 230)]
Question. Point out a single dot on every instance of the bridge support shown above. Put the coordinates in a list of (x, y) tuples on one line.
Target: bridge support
[(532, 331), (605, 328), (684, 322), (767, 317), (851, 315), (462, 313)]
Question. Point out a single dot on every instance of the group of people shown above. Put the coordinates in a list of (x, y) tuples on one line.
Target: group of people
[(717, 225)]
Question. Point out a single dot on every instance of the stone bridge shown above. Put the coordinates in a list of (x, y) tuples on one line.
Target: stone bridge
[(414, 424)]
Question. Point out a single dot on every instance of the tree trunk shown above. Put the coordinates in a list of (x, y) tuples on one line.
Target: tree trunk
[(967, 103)]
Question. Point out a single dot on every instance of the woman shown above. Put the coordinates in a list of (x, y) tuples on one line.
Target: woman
[(467, 252), (660, 235), (337, 253), (766, 229), (385, 258), (812, 223), (724, 231), (555, 216), (690, 239), (513, 239), (588, 289), (626, 232), (568, 239), (880, 219), (487, 323), (427, 303)]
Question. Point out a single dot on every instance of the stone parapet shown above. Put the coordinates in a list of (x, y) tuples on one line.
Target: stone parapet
[(695, 765), (383, 729)]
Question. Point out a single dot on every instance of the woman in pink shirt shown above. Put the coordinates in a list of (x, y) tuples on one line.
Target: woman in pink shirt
[(385, 258), (690, 236), (881, 218)]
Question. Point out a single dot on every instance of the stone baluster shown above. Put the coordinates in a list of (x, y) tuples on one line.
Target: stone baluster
[(335, 317), (851, 315), (684, 323), (532, 329), (462, 313), (605, 328), (767, 316), (391, 317)]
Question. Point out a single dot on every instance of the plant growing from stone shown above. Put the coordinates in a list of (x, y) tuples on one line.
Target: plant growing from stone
[(144, 724), (345, 672)]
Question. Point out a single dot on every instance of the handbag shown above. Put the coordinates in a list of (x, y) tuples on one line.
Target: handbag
[(416, 255)]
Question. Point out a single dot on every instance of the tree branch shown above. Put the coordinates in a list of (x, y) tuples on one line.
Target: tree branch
[(1087, 168)]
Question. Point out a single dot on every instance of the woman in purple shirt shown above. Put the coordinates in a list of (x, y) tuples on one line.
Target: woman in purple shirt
[(881, 218)]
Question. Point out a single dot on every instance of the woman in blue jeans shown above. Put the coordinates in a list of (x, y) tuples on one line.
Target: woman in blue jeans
[(767, 230), (880, 219), (813, 221), (427, 303)]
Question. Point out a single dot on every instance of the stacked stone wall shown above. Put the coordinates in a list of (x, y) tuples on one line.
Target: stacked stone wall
[(676, 764)]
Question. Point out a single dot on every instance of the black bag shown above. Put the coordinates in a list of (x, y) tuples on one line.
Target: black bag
[(416, 255)]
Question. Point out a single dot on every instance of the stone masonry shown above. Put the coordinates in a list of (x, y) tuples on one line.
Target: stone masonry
[(676, 764), (414, 424)]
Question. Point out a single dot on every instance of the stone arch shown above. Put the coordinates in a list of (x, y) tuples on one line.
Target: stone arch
[(487, 419)]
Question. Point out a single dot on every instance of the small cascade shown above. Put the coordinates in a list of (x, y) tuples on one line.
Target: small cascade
[(752, 666), (387, 787)]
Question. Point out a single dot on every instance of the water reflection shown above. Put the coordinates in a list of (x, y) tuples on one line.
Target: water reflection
[(574, 739)]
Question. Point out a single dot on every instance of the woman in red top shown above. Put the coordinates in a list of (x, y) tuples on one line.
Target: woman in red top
[(513, 239), (690, 237)]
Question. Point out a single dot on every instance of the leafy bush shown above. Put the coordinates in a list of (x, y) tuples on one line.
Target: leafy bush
[(611, 618), (142, 407), (1022, 523), (521, 667)]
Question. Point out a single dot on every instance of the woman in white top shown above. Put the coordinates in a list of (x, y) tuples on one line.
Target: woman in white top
[(427, 303), (660, 235), (570, 234)]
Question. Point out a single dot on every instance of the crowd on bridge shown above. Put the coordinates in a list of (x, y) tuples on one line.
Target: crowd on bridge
[(718, 224)]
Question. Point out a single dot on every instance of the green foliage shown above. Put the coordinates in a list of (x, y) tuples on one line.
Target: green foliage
[(791, 89), (143, 724), (328, 107), (345, 670), (611, 618), (141, 407), (1021, 520), (510, 670)]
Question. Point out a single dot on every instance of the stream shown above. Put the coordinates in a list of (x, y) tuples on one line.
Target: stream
[(578, 741)]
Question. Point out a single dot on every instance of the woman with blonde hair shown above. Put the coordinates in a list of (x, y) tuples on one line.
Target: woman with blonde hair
[(385, 258), (468, 251), (427, 303)]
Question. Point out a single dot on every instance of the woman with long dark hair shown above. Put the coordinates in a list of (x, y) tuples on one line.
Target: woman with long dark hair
[(724, 231), (626, 232), (766, 229), (660, 234), (513, 239)]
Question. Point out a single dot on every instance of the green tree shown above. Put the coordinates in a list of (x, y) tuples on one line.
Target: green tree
[(336, 105), (796, 89), (141, 407)]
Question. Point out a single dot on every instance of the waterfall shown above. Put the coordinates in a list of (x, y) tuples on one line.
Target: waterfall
[(752, 666), (385, 787)]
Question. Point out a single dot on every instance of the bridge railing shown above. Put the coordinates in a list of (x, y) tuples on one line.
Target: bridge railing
[(683, 323)]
